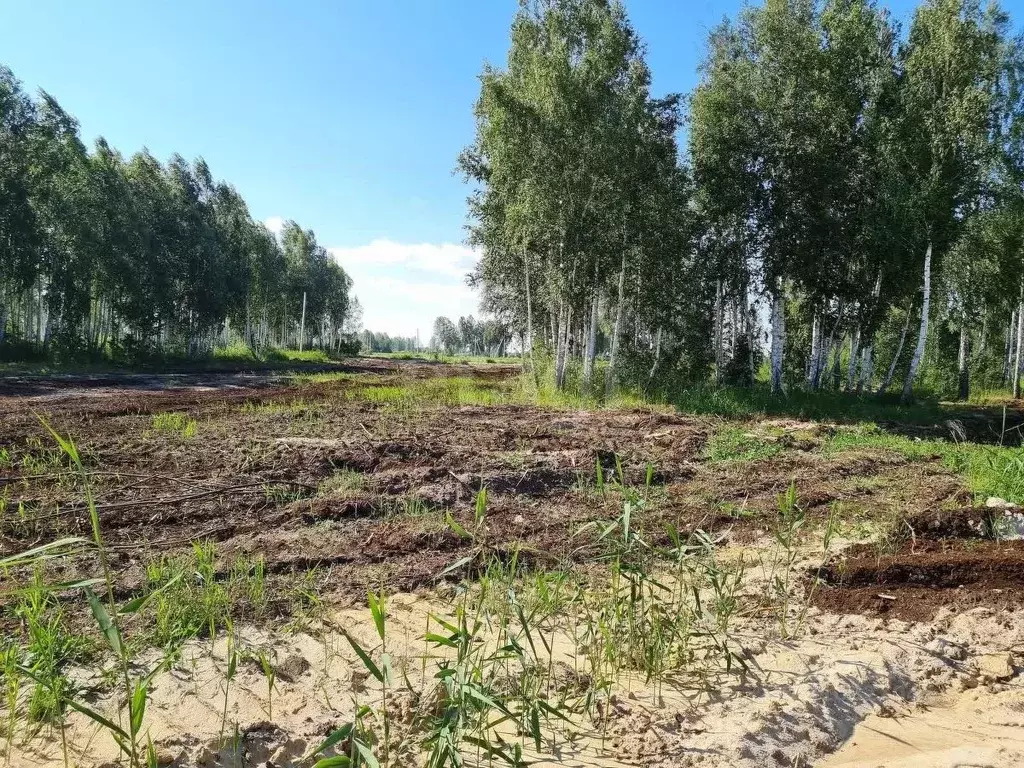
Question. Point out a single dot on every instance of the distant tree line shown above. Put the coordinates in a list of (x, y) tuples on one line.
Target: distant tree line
[(469, 336), (848, 211), (382, 342), (102, 255)]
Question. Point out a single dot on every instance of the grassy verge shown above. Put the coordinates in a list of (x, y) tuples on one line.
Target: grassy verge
[(989, 470)]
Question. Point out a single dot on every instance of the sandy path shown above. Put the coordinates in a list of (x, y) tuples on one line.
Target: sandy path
[(975, 728)]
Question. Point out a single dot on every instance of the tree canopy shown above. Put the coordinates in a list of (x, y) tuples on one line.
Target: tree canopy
[(843, 183), (103, 255)]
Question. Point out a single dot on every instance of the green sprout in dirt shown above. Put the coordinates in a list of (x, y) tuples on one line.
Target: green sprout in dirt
[(175, 424), (477, 535), (52, 687)]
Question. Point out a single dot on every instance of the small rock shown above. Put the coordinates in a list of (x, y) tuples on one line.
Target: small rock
[(967, 683), (994, 502), (292, 668), (165, 757), (994, 667), (943, 648), (885, 710)]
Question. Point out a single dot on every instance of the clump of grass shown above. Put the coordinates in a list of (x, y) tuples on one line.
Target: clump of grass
[(35, 458), (731, 443), (443, 390), (50, 647), (189, 598), (171, 423), (344, 482), (824, 405), (294, 356)]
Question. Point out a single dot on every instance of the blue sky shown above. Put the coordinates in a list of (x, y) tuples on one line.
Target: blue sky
[(345, 116)]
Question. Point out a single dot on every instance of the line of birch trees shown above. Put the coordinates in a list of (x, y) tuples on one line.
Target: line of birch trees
[(102, 255), (839, 203)]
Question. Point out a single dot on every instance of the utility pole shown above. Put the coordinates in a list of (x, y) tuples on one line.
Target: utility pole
[(302, 323)]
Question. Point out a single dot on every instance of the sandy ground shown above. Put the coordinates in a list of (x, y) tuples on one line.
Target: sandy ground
[(852, 691)]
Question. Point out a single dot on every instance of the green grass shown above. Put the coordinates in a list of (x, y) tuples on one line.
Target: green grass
[(190, 596), (758, 401), (342, 483), (294, 356), (449, 391), (454, 391), (440, 357), (989, 470), (237, 357), (732, 443), (50, 648), (175, 424)]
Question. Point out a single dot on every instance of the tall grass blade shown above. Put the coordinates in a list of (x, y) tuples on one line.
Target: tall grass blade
[(107, 626)]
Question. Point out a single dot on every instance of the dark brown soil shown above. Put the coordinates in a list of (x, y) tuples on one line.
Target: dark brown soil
[(251, 477), (951, 565)]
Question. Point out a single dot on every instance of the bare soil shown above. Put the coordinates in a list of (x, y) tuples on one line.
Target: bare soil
[(948, 564), (319, 478), (251, 477)]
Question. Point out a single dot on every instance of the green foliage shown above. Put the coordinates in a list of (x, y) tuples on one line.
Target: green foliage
[(731, 443), (185, 596), (175, 424), (989, 470), (131, 259)]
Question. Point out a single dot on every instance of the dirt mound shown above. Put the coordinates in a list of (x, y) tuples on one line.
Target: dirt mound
[(952, 565)]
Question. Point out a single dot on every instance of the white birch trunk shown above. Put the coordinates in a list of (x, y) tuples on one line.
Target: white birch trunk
[(657, 356), (778, 321), (609, 379), (899, 351), (590, 355), (1019, 356), (867, 369), (719, 321), (922, 335), (814, 366), (751, 328), (1011, 338), (561, 335), (964, 389), (851, 370)]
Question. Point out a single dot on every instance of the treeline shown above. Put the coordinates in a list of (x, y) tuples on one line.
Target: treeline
[(848, 211), (469, 336), (373, 341), (102, 255)]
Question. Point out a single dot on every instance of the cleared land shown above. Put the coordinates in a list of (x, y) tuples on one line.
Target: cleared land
[(881, 586)]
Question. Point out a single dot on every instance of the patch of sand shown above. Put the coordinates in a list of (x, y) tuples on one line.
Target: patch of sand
[(975, 728), (852, 691)]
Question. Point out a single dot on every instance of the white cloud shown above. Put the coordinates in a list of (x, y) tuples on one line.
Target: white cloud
[(446, 259), (404, 287), (275, 224)]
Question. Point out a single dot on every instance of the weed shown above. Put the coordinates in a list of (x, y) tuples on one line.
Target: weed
[(738, 444), (187, 599), (343, 483), (178, 424), (990, 470)]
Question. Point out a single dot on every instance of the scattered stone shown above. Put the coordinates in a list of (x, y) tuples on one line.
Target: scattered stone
[(994, 667), (292, 668), (994, 502)]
